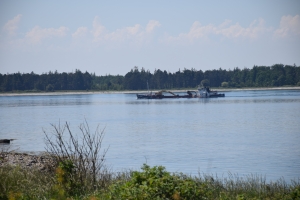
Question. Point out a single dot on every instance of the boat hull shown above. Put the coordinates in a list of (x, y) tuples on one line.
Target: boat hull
[(207, 93), (202, 93), (146, 96)]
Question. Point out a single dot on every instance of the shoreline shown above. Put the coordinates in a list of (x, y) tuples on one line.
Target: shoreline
[(41, 161), (137, 91), (25, 160)]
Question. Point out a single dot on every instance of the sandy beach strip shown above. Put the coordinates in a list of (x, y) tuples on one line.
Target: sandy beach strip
[(138, 91)]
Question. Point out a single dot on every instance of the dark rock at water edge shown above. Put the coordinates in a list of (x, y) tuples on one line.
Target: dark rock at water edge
[(4, 141)]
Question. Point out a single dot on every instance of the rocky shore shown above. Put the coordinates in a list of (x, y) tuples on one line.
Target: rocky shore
[(40, 162)]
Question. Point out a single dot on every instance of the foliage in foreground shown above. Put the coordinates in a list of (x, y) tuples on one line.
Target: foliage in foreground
[(150, 183), (19, 183), (157, 183), (78, 156), (79, 173)]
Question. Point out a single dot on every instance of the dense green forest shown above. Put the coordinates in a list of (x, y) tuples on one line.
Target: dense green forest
[(136, 79)]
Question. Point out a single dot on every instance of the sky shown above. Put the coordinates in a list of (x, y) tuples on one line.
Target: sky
[(112, 37)]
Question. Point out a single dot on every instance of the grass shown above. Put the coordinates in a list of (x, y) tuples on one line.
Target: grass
[(149, 183), (18, 183)]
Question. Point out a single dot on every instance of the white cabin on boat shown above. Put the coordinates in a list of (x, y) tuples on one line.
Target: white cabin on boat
[(205, 92)]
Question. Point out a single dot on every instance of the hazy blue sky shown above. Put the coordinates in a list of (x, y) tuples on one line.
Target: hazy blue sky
[(111, 37)]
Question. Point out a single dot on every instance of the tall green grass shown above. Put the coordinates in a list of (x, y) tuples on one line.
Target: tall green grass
[(149, 183), (20, 183)]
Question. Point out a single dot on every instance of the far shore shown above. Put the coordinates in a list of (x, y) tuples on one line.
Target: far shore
[(43, 93)]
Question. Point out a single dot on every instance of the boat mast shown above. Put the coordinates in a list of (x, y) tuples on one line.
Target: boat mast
[(148, 87)]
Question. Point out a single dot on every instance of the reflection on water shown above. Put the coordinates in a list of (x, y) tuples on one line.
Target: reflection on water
[(247, 132), (52, 100)]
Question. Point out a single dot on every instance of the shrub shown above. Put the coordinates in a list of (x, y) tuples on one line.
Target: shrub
[(80, 164), (157, 183)]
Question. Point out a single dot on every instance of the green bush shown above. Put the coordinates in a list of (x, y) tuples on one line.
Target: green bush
[(157, 183)]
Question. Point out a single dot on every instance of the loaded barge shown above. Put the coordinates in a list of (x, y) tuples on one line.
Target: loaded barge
[(204, 92)]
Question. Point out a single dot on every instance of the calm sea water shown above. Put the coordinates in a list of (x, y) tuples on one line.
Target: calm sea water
[(247, 132)]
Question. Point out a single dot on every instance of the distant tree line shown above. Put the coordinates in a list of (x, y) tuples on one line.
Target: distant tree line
[(258, 76), (137, 79), (46, 82)]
